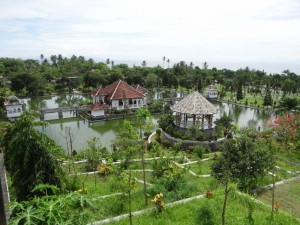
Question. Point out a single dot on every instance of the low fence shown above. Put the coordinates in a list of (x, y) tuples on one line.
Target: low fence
[(213, 145)]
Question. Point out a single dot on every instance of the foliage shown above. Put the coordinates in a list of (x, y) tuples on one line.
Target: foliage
[(125, 143), (57, 209), (156, 106), (225, 122), (205, 215), (94, 153), (268, 97), (242, 161), (104, 169), (29, 157), (166, 121), (158, 203), (287, 130), (287, 105), (161, 166)]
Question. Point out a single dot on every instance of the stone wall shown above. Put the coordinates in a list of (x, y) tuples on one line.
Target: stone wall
[(213, 145), (206, 132), (4, 195)]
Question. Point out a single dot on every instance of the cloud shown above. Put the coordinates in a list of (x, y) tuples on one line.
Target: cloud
[(216, 30)]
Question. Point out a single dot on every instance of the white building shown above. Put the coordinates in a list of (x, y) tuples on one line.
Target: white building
[(211, 93), (13, 108), (118, 95)]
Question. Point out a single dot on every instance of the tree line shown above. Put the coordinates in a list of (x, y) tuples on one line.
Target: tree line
[(61, 74)]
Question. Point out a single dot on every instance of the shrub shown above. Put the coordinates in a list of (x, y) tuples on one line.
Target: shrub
[(104, 169), (177, 147), (147, 133), (199, 151), (205, 215), (158, 132), (166, 143), (159, 204)]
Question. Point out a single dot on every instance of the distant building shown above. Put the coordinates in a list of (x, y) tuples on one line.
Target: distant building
[(211, 93), (119, 95), (13, 108)]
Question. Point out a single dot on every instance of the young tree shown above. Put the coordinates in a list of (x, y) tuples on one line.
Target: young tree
[(30, 157), (144, 123), (94, 153), (242, 162), (126, 143), (268, 97), (239, 93)]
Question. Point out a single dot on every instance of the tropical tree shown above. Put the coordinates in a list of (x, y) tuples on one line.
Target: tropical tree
[(30, 157), (287, 105), (33, 82), (268, 97), (241, 161)]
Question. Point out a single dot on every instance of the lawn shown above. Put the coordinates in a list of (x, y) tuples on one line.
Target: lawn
[(236, 213), (287, 195)]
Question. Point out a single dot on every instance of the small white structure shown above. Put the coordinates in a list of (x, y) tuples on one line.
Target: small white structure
[(97, 110), (13, 108), (211, 93)]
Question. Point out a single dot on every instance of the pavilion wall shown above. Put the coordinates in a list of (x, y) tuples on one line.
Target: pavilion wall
[(208, 132), (213, 145)]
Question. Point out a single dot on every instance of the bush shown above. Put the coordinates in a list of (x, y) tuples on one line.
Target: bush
[(177, 147), (166, 143), (158, 132), (190, 149), (199, 151), (205, 215)]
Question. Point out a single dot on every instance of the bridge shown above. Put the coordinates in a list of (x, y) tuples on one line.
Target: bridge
[(61, 110)]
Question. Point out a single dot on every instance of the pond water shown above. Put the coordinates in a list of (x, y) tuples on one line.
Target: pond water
[(82, 131)]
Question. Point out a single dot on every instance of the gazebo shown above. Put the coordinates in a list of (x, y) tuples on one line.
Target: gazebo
[(193, 110)]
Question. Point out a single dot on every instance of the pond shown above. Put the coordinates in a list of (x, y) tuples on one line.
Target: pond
[(82, 131)]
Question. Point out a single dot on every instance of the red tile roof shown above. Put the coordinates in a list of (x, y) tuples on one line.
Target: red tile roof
[(118, 90), (141, 89), (98, 106)]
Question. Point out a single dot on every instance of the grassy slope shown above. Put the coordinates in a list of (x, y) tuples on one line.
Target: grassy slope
[(236, 213)]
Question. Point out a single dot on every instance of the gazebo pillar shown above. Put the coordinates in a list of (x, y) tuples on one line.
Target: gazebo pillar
[(210, 121), (194, 120), (202, 122)]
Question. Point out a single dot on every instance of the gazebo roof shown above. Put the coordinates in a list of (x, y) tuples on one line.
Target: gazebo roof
[(194, 104)]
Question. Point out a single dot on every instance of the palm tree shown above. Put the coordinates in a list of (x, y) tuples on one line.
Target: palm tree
[(287, 105), (112, 64), (144, 64), (205, 66), (164, 59), (168, 61), (108, 62)]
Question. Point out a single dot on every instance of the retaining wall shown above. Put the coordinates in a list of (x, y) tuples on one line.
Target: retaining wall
[(213, 145)]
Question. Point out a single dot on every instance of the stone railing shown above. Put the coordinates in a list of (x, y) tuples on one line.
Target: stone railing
[(213, 145)]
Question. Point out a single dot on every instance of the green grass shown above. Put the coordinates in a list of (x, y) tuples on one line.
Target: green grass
[(201, 168), (236, 213), (287, 195)]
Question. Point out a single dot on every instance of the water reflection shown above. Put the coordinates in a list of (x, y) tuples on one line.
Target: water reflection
[(82, 131)]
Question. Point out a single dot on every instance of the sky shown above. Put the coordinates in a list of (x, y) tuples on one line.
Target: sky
[(261, 34)]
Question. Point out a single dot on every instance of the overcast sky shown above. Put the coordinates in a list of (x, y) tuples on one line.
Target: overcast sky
[(262, 34)]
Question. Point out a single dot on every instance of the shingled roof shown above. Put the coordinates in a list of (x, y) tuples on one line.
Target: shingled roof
[(118, 90), (141, 89), (194, 104)]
